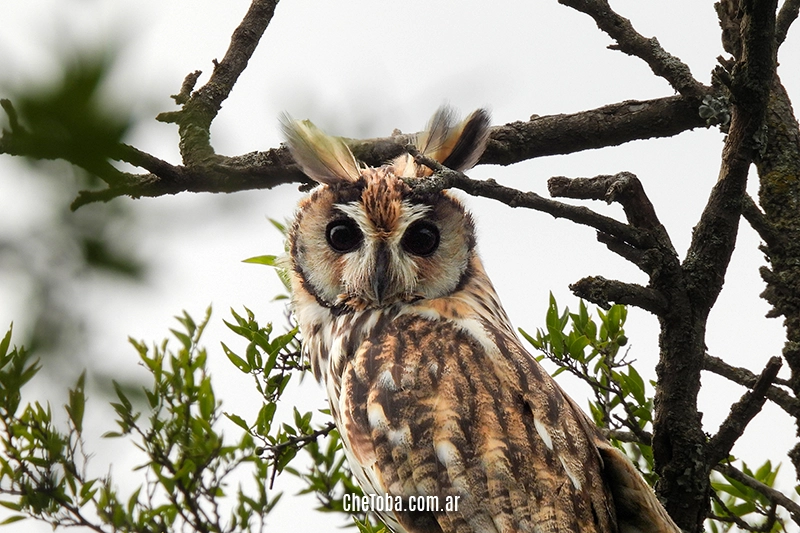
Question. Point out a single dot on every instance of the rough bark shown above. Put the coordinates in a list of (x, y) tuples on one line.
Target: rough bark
[(779, 195)]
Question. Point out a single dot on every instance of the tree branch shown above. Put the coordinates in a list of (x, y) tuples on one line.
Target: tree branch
[(745, 378), (610, 125), (256, 170), (774, 495), (623, 187), (445, 178), (786, 16), (731, 517), (741, 413), (200, 109), (629, 436), (758, 221), (602, 291), (626, 189), (511, 143), (629, 41)]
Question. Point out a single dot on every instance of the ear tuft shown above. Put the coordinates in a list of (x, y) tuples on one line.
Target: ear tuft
[(322, 157), (457, 146)]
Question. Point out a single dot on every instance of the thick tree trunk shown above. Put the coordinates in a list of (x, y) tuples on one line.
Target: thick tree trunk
[(779, 195)]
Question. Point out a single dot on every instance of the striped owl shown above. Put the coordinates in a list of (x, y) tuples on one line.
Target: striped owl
[(432, 392)]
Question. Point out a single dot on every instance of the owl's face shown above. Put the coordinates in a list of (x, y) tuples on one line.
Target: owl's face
[(364, 239), (374, 242)]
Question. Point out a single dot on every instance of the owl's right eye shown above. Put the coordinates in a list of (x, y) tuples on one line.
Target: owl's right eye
[(343, 235)]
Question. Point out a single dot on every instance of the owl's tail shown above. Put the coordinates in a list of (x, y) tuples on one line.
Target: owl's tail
[(638, 510)]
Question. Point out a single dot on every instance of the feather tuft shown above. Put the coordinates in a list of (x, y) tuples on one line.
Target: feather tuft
[(323, 158), (457, 145)]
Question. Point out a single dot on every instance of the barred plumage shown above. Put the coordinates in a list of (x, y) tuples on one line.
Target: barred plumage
[(431, 390)]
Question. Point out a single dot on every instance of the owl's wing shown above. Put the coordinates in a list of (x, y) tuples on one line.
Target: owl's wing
[(429, 408)]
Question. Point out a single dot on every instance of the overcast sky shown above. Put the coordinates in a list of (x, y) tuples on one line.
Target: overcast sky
[(361, 69)]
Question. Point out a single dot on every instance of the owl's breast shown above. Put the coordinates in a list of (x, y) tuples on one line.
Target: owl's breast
[(330, 339)]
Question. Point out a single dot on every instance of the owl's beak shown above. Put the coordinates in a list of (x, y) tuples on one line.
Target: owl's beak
[(381, 280)]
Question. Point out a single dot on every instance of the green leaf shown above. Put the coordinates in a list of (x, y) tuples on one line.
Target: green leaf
[(253, 356), (133, 500), (636, 385), (187, 322), (268, 260), (766, 474), (238, 420), (279, 226), (126, 403), (536, 344), (5, 343), (11, 505), (185, 339), (237, 361), (576, 347), (12, 519), (77, 403), (614, 320), (265, 416), (208, 401)]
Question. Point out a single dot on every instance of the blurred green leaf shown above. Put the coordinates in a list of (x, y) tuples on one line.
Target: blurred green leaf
[(70, 118)]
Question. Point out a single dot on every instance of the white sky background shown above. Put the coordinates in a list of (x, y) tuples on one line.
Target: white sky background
[(361, 69)]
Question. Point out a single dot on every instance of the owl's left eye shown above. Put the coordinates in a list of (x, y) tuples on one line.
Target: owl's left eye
[(343, 235), (421, 238)]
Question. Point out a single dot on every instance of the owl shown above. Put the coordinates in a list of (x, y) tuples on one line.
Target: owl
[(431, 390)]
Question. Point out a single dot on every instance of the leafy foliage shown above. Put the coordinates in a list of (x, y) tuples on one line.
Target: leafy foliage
[(188, 461), (189, 464), (69, 118), (736, 504)]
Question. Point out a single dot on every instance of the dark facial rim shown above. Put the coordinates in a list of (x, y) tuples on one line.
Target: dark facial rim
[(343, 235), (421, 238)]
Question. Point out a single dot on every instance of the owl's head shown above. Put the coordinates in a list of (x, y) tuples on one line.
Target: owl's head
[(366, 239)]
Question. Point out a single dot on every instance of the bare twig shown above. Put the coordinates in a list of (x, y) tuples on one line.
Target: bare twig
[(141, 159), (295, 441), (741, 413), (625, 189), (744, 377), (630, 436), (730, 516), (631, 42), (187, 87), (638, 257), (774, 495)]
